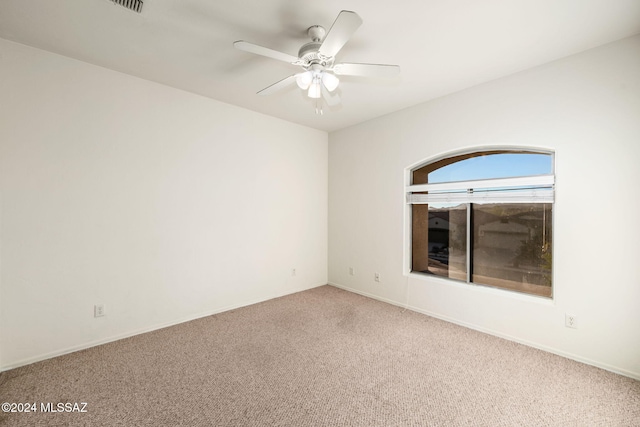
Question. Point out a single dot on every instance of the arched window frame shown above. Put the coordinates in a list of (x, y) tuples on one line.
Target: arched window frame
[(522, 189)]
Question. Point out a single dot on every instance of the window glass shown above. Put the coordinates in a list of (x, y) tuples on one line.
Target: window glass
[(512, 246), (484, 165), (440, 240)]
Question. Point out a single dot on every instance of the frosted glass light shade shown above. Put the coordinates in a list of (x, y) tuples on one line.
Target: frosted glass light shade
[(330, 81), (314, 89), (304, 80)]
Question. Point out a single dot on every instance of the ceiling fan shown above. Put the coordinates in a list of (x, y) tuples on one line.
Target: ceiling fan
[(317, 58)]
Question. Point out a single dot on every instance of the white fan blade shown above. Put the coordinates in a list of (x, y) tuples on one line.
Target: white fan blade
[(366, 70), (332, 99), (342, 29), (278, 85), (264, 51)]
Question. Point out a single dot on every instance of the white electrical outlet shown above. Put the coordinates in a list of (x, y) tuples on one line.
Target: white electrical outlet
[(98, 310), (351, 271), (293, 272), (570, 321), (376, 277)]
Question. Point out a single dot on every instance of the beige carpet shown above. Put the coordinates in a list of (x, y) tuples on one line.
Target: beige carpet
[(323, 357)]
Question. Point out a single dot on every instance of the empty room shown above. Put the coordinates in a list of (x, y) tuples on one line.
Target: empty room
[(336, 213)]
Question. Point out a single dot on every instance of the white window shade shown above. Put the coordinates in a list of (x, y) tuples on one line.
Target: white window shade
[(536, 189)]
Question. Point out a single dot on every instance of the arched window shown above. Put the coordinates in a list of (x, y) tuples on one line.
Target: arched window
[(485, 218)]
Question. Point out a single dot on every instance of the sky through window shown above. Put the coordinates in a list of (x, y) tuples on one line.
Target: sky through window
[(503, 165)]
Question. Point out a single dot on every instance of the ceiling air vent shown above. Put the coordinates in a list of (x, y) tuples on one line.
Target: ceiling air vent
[(135, 5)]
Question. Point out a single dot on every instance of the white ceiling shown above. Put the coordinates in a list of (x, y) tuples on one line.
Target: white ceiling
[(441, 46)]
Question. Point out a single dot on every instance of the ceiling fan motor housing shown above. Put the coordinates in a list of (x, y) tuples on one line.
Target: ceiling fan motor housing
[(308, 53)]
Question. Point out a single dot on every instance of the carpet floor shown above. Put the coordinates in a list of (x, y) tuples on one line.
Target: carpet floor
[(323, 357)]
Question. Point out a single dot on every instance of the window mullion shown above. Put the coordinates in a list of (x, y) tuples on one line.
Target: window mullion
[(469, 242)]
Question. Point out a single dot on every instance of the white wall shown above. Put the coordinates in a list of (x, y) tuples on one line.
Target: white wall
[(587, 109), (161, 204)]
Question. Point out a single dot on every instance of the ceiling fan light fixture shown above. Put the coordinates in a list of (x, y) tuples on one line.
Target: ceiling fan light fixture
[(304, 80), (315, 91), (330, 81)]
